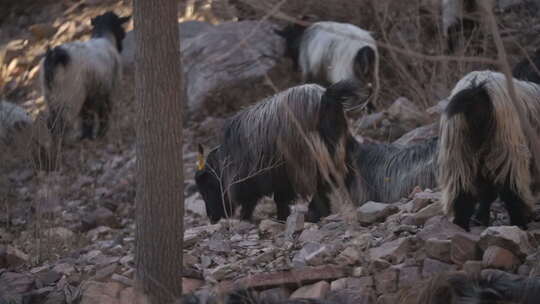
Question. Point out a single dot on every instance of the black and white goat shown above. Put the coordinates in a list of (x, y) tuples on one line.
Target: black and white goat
[(291, 145), (388, 172), (78, 78), (328, 52), (485, 148)]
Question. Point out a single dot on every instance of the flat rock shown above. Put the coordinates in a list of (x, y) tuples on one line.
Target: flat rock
[(349, 256), (64, 268), (438, 227), (426, 213), (122, 279), (12, 257), (499, 258), (464, 247), (274, 295), (386, 281), (438, 249), (508, 237), (408, 275), (104, 273), (350, 296), (12, 283), (219, 243), (372, 212), (352, 283), (311, 235), (394, 251), (473, 267), (311, 253), (423, 199), (190, 285), (221, 272), (388, 299), (271, 227), (314, 291), (293, 277), (432, 267), (48, 277)]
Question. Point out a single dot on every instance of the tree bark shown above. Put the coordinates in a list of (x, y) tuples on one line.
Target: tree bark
[(160, 198)]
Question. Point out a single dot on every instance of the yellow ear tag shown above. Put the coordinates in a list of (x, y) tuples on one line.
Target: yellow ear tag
[(200, 162)]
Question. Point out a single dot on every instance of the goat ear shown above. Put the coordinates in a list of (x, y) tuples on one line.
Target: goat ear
[(124, 19), (200, 158), (200, 149)]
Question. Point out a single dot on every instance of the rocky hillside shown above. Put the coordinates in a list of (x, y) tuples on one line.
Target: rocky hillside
[(68, 236)]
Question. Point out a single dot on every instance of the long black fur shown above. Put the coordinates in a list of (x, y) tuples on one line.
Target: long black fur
[(275, 180), (363, 63), (292, 34), (370, 162), (332, 126), (528, 69), (53, 58)]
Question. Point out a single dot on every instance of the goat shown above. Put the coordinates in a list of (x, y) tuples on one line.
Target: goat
[(328, 52), (290, 145), (388, 172), (77, 78), (485, 148)]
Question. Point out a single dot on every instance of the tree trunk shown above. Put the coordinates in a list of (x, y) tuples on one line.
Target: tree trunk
[(160, 194)]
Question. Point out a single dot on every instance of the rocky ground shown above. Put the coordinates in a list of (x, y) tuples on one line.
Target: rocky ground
[(68, 236)]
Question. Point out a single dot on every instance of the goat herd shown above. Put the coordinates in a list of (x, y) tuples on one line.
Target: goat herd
[(297, 143)]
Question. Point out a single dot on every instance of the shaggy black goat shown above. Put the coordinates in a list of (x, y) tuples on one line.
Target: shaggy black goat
[(485, 148), (77, 78), (388, 172), (290, 145)]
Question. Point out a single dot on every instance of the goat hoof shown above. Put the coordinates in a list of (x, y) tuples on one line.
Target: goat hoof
[(464, 226)]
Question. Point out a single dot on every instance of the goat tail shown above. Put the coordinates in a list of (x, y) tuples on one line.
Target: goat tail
[(53, 58)]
